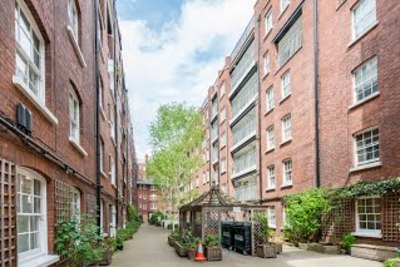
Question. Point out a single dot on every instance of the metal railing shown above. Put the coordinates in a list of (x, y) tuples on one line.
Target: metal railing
[(243, 38)]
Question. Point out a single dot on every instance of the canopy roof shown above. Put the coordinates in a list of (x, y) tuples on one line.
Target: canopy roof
[(215, 197)]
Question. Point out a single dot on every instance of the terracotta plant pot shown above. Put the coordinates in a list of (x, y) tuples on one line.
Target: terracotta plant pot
[(266, 251), (213, 253), (192, 253)]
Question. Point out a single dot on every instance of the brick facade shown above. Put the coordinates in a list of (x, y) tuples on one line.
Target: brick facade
[(322, 62), (48, 151)]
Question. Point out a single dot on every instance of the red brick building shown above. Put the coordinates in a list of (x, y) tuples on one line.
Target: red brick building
[(309, 97), (65, 128)]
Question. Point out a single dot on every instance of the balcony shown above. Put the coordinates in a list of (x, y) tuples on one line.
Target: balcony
[(244, 128), (245, 36), (246, 193), (244, 163), (242, 68), (245, 98)]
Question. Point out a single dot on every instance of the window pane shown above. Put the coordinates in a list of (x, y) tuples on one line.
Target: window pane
[(34, 241), (26, 204), (26, 185), (37, 207), (23, 224), (23, 243), (36, 188)]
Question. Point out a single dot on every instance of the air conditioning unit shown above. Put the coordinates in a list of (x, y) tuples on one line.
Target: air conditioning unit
[(24, 119)]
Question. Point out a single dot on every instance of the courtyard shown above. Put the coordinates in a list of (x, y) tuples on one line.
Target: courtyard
[(149, 247)]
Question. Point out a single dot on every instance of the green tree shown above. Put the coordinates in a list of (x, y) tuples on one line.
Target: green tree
[(176, 137)]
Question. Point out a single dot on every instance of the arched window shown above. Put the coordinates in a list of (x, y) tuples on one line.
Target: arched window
[(74, 18), (29, 53), (74, 117), (32, 218)]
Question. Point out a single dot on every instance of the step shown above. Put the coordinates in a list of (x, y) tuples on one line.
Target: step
[(373, 252)]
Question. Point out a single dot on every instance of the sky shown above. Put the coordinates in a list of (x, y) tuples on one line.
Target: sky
[(172, 51)]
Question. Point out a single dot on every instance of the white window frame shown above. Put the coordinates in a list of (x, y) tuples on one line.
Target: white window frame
[(223, 139), (267, 65), (223, 165), (101, 155), (270, 98), (371, 67), (287, 128), (42, 250), (271, 216), (356, 148), (73, 18), (368, 232), (287, 172), (222, 90), (76, 203), (284, 4), (223, 114), (286, 85), (373, 21), (271, 177), (23, 79), (270, 138), (74, 117), (268, 22)]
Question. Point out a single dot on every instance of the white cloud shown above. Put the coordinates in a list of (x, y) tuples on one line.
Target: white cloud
[(163, 66)]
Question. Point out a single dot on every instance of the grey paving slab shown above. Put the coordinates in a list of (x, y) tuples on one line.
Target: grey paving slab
[(149, 248)]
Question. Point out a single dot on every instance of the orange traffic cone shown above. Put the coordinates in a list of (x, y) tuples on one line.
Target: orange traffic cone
[(200, 253)]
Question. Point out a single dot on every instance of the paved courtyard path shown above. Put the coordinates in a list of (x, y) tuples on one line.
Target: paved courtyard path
[(149, 247)]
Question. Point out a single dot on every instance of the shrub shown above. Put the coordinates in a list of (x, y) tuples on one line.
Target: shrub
[(212, 240), (304, 215), (348, 241), (79, 241), (266, 231), (156, 217), (392, 262)]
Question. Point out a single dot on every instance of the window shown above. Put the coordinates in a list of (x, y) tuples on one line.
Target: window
[(29, 53), (111, 75), (223, 89), (76, 203), (270, 138), (31, 215), (112, 172), (73, 117), (245, 128), (369, 216), (223, 164), (272, 217), (367, 147), (266, 64), (144, 196), (244, 161), (101, 155), (270, 99), (290, 42), (284, 4), (223, 139), (101, 88), (364, 17), (286, 128), (271, 177), (140, 195), (74, 18), (268, 22), (286, 85), (287, 172), (366, 80), (112, 126), (153, 206), (223, 114)]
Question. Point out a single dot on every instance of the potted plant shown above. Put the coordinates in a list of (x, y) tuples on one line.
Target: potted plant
[(109, 246), (173, 237), (180, 248), (192, 248), (212, 249), (265, 249), (348, 241)]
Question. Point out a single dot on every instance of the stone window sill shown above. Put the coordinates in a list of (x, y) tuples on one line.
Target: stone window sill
[(17, 81), (78, 147), (367, 234), (286, 142), (365, 100), (366, 166), (42, 261), (373, 26), (269, 150), (75, 44), (286, 185), (285, 98)]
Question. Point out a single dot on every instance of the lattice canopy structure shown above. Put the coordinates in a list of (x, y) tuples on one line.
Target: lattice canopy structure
[(205, 214)]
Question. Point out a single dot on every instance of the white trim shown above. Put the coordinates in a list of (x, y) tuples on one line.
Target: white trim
[(78, 147), (361, 34), (244, 171), (243, 140), (76, 46), (239, 81), (42, 261), (243, 109), (366, 166), (17, 81), (365, 232), (366, 99)]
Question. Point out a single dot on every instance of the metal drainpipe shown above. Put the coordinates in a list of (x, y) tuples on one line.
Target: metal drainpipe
[(316, 88), (116, 126), (97, 117), (259, 108), (209, 142)]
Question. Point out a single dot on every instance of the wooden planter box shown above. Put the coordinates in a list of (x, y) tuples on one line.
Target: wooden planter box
[(278, 247), (213, 253), (266, 251), (181, 250), (171, 241), (107, 258), (191, 254)]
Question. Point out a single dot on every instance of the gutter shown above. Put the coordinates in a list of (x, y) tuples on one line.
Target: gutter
[(316, 92), (259, 110), (97, 117)]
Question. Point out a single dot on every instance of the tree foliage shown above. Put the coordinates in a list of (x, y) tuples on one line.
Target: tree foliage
[(176, 137)]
